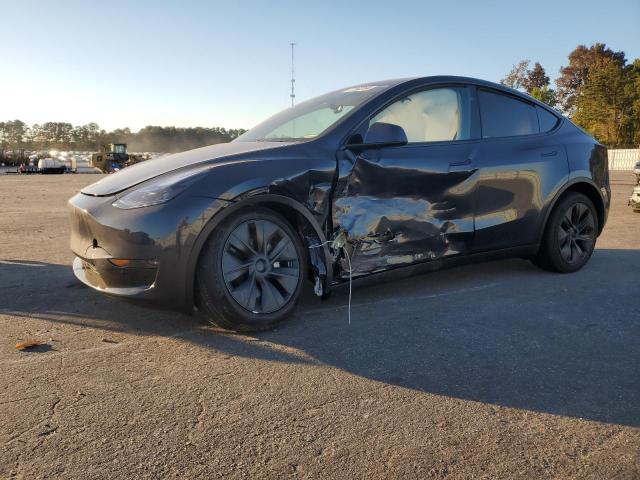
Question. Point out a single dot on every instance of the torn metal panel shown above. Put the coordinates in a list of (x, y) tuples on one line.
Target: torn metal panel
[(316, 259), (399, 210), (311, 187)]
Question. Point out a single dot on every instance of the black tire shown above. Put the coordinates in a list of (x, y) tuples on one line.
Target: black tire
[(245, 283), (570, 235)]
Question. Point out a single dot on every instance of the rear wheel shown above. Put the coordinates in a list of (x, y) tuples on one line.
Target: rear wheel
[(250, 272), (570, 235)]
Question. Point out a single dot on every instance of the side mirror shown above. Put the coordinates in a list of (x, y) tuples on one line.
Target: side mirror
[(380, 135)]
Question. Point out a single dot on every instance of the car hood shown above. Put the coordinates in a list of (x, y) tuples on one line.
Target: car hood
[(141, 172)]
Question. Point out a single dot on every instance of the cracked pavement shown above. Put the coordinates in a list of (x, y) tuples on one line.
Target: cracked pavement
[(497, 370)]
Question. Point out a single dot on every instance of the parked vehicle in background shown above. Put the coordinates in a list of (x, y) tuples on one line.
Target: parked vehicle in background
[(51, 166), (417, 174), (634, 200), (44, 166), (114, 157)]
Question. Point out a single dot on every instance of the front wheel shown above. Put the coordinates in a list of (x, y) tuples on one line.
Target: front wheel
[(570, 235), (250, 272)]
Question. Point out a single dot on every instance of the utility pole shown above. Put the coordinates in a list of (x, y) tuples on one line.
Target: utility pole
[(293, 76)]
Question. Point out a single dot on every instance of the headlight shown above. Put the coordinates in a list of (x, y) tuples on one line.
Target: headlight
[(159, 190)]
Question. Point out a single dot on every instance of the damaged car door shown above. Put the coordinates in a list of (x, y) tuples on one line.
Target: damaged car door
[(399, 204)]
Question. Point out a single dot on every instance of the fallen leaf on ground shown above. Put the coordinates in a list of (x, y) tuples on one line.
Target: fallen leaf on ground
[(28, 344)]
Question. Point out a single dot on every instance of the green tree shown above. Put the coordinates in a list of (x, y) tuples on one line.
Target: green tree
[(57, 135), (545, 95), (605, 105), (533, 81), (635, 89), (64, 136), (12, 134), (35, 137), (3, 137)]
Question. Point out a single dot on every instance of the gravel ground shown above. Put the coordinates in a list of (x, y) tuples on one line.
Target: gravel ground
[(497, 370)]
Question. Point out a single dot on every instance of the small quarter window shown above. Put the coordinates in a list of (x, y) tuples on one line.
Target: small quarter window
[(434, 115), (547, 120), (504, 116)]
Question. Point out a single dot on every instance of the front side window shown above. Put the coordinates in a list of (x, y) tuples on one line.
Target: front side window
[(434, 115), (504, 116)]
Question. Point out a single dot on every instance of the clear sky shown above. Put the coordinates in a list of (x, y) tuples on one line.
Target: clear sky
[(213, 63)]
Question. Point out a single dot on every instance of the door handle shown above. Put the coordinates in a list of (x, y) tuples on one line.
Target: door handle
[(552, 153), (460, 164)]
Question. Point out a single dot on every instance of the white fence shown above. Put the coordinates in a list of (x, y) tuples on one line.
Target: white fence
[(623, 159)]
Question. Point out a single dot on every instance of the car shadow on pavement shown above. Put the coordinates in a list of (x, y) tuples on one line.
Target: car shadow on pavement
[(503, 333)]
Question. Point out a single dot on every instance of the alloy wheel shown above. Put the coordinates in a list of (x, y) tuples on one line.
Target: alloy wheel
[(260, 266), (576, 234)]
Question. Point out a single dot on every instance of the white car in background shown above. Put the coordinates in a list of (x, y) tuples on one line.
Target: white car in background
[(634, 200)]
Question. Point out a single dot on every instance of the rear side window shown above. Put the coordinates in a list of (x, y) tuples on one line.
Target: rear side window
[(504, 116), (547, 120)]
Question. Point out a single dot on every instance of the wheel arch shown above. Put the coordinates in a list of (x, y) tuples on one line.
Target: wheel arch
[(582, 185), (295, 213)]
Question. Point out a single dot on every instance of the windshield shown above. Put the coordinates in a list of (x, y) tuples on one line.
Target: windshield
[(311, 118)]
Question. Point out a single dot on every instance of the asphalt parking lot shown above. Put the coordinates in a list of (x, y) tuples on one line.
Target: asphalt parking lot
[(497, 370)]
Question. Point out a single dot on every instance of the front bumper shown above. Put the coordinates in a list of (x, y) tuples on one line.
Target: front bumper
[(120, 281), (157, 241)]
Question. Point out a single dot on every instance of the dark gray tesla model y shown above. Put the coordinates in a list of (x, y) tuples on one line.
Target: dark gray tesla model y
[(411, 174)]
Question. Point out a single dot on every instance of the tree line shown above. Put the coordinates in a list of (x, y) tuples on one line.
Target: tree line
[(17, 135), (598, 89)]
